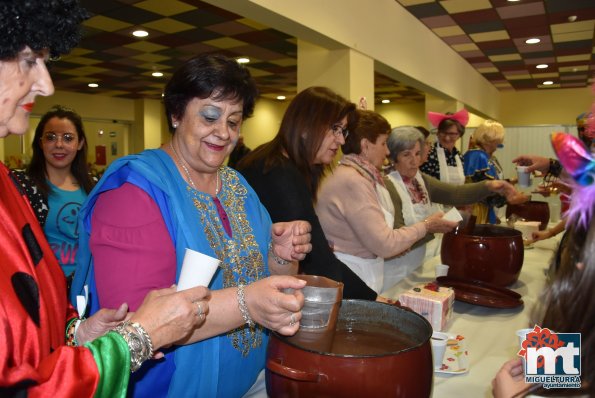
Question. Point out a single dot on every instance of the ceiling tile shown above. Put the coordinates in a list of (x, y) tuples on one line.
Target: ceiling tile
[(180, 29), (456, 6), (168, 25), (105, 23), (165, 8), (505, 57), (145, 46), (488, 36), (573, 58), (521, 10), (449, 31), (439, 21), (572, 36), (225, 42), (147, 57), (465, 47)]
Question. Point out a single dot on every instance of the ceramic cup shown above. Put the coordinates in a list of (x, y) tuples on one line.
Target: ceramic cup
[(524, 176), (441, 270), (439, 341)]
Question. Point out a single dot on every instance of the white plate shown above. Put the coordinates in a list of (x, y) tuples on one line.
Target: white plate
[(456, 357)]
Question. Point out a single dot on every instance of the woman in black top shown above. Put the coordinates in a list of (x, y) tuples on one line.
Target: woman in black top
[(286, 172)]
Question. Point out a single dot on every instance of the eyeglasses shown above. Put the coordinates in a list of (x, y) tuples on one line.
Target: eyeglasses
[(67, 138), (337, 130), (451, 135)]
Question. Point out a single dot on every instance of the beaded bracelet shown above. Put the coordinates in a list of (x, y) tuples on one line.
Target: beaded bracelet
[(243, 307), (555, 168), (139, 343), (276, 258), (71, 329)]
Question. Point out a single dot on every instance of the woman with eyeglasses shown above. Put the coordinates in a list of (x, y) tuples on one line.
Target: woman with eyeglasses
[(286, 173), (57, 181), (355, 207), (444, 159)]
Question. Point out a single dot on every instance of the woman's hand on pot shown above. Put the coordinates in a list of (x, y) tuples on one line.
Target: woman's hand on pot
[(274, 309), (169, 316), (291, 240), (436, 224)]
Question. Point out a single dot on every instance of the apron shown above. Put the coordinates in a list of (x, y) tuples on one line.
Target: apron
[(397, 268), (450, 174), (371, 270)]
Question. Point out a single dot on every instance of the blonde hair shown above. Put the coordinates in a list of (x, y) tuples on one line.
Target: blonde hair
[(489, 131)]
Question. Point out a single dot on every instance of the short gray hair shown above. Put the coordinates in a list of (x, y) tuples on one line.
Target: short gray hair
[(402, 139)]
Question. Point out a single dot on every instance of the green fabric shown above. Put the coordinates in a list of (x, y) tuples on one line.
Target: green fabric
[(113, 362), (455, 195)]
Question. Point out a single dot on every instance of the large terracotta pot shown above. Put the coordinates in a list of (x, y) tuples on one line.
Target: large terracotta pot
[(488, 253), (531, 211), (293, 371)]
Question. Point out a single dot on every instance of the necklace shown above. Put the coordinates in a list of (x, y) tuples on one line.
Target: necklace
[(178, 161)]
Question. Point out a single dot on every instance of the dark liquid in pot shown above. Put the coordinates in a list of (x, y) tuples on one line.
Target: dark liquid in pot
[(368, 339)]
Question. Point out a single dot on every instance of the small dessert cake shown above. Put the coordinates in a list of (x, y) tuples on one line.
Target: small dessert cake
[(432, 302)]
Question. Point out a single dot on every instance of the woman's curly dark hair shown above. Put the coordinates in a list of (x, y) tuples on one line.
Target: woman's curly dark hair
[(39, 24)]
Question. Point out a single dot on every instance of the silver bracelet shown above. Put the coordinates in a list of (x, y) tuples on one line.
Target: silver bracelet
[(243, 307), (276, 258), (139, 343)]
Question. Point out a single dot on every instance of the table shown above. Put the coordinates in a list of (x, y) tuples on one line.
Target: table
[(489, 332)]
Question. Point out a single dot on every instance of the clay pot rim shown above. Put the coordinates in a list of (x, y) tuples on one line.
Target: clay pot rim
[(513, 232), (388, 354)]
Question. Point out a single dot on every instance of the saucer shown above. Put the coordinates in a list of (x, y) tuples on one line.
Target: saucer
[(456, 357)]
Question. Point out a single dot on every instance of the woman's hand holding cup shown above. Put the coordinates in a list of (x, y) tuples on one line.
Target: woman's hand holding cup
[(169, 316), (270, 307)]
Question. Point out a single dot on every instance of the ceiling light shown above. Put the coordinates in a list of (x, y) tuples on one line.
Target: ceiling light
[(533, 40), (157, 74), (513, 1), (385, 101), (93, 85), (548, 83), (280, 97), (572, 18), (542, 66), (243, 60), (140, 33)]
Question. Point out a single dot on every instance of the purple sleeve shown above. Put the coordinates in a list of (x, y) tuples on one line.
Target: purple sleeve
[(132, 250)]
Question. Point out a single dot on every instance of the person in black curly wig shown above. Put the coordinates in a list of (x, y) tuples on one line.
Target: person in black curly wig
[(52, 24), (42, 336)]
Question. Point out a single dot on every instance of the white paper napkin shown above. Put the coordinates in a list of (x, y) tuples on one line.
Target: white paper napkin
[(453, 215)]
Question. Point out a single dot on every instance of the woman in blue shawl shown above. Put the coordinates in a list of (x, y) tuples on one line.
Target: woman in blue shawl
[(149, 208)]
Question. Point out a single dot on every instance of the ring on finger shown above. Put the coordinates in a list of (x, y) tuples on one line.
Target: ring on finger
[(199, 311), (292, 319)]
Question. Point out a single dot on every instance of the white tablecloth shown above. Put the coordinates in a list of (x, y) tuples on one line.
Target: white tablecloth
[(489, 332)]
